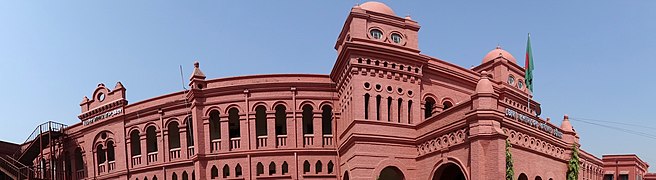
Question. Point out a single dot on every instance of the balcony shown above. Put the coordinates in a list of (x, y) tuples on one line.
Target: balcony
[(80, 174), (190, 151), (235, 143), (281, 140), (327, 140), (136, 160), (151, 157), (101, 168), (174, 153), (308, 140), (261, 141), (111, 165), (215, 145)]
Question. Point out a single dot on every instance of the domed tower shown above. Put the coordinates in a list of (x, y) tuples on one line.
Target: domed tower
[(378, 76)]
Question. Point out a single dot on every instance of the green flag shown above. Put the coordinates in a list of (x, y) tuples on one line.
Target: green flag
[(529, 65)]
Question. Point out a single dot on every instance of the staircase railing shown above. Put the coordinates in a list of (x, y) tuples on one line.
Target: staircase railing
[(15, 168), (49, 126)]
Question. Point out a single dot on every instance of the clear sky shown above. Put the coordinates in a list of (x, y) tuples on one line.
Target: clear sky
[(593, 59)]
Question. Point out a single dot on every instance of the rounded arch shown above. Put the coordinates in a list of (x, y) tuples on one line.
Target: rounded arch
[(170, 120), (148, 124), (305, 103), (99, 139), (346, 175), (326, 103), (390, 163), (429, 95), (538, 178), (212, 108), (522, 176), (233, 106), (449, 161), (447, 103), (391, 173), (134, 128), (278, 103), (258, 104)]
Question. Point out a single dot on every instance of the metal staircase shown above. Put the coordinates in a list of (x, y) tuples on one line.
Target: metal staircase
[(21, 165)]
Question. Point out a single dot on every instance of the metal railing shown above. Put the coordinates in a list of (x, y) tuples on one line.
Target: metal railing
[(49, 126)]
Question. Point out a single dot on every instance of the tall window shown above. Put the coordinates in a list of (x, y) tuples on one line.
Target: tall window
[(260, 121), (389, 109), (100, 154), (366, 106), (185, 176), (238, 170), (259, 169), (215, 172), (330, 167), (233, 123), (318, 167), (378, 98), (272, 168), (428, 107), (409, 111), (399, 111), (285, 168), (215, 125), (79, 160), (306, 167), (151, 139), (190, 131), (327, 120), (174, 135), (226, 171), (110, 151), (307, 119), (135, 143), (281, 120)]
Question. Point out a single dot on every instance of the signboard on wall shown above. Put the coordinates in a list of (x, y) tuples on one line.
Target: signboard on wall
[(542, 126), (103, 116)]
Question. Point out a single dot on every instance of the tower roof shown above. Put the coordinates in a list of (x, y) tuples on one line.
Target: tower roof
[(377, 7), (498, 52)]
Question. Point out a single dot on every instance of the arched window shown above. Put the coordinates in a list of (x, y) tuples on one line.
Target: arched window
[(189, 122), (174, 176), (307, 119), (306, 167), (100, 154), (327, 120), (428, 107), (272, 168), (174, 135), (145, 178), (366, 106), (193, 175), (378, 98), (281, 120), (215, 172), (346, 176), (538, 178), (154, 177), (399, 110), (285, 168), (215, 125), (330, 167), (226, 171), (151, 139), (391, 173), (389, 109), (409, 111), (260, 121), (522, 176), (233, 123), (260, 169), (79, 161), (110, 151), (238, 170), (135, 143), (447, 105), (318, 167), (185, 176)]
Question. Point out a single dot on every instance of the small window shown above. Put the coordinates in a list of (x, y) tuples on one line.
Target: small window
[(376, 34), (520, 84), (511, 80), (397, 38)]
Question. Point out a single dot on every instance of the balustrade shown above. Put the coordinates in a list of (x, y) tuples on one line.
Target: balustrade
[(174, 153), (215, 145), (101, 168), (327, 140), (80, 174), (308, 139), (190, 151), (151, 157), (136, 160), (281, 140), (111, 165), (261, 141), (235, 143)]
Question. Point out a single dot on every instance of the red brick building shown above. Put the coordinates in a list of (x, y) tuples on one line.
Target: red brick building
[(386, 111)]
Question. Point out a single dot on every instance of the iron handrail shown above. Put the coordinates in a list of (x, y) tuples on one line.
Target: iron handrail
[(49, 126)]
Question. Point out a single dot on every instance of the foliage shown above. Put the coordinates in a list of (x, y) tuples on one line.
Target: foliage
[(573, 166), (510, 172)]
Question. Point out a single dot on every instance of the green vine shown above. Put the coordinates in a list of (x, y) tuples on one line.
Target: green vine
[(573, 165), (510, 172)]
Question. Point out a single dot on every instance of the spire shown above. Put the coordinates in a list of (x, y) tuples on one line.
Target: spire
[(84, 100), (484, 85), (118, 86), (566, 125), (197, 74)]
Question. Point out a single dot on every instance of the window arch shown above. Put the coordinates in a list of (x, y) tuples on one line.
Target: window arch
[(259, 169), (391, 173), (366, 106), (151, 139), (233, 123), (378, 98), (428, 107), (226, 171), (281, 120), (174, 135), (327, 120), (307, 119), (389, 109), (447, 104), (215, 125), (306, 167), (538, 178), (185, 176), (110, 151), (318, 167), (189, 122), (330, 167), (145, 178), (135, 143), (272, 168), (79, 160), (285, 168), (174, 176), (409, 111), (260, 121), (238, 172), (399, 110), (522, 176), (214, 172), (193, 175), (100, 154), (154, 177)]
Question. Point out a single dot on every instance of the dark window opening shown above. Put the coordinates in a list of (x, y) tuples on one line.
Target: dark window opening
[(233, 123), (327, 120), (308, 116), (281, 120), (174, 135), (260, 121)]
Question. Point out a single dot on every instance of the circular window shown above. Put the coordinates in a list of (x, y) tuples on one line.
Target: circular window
[(367, 85), (397, 38), (389, 88), (376, 34), (409, 93), (511, 80), (101, 97), (399, 90), (378, 87), (520, 84), (103, 135)]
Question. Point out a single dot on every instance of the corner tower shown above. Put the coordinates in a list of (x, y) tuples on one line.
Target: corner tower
[(378, 75)]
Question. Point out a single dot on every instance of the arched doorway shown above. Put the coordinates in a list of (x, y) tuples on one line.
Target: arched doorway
[(522, 177), (391, 173), (449, 171)]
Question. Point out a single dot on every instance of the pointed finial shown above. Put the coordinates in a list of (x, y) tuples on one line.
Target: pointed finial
[(196, 64), (119, 85)]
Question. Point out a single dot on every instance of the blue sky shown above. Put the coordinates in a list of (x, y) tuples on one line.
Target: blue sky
[(592, 59)]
